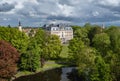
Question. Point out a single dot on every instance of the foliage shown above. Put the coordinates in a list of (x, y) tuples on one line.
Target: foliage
[(114, 33), (42, 44), (96, 51), (81, 34), (18, 39), (53, 47), (50, 45), (86, 59), (75, 47), (115, 66), (93, 31), (114, 55), (101, 63), (30, 60), (101, 42), (101, 71), (8, 60)]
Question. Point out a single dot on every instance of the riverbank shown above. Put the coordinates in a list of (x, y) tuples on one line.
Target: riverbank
[(57, 74), (50, 64)]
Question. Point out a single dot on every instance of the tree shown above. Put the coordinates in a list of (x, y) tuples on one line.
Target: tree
[(88, 26), (102, 43), (30, 60), (82, 35), (114, 33), (100, 71), (93, 31), (18, 39), (101, 63), (75, 28), (41, 38), (115, 66), (8, 60), (86, 60), (52, 47), (75, 47)]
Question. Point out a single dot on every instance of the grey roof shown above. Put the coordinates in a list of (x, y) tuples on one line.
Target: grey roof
[(57, 26)]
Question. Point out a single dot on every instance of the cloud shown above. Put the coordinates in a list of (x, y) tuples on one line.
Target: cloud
[(35, 12), (5, 7)]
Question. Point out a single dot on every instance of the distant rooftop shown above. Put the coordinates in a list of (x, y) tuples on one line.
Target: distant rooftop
[(56, 25)]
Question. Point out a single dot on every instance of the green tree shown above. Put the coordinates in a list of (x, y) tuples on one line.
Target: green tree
[(75, 28), (100, 71), (30, 60), (53, 47), (114, 33), (50, 45), (75, 47), (88, 26), (81, 33), (93, 31), (102, 43), (18, 39), (41, 38), (86, 60)]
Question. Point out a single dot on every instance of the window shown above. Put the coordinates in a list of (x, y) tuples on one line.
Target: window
[(62, 34)]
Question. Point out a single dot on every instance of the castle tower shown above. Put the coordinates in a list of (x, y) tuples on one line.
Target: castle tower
[(19, 26)]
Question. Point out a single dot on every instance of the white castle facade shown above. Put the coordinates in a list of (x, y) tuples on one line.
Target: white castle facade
[(65, 32)]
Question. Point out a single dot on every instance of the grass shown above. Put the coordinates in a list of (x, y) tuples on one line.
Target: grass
[(64, 52), (50, 64)]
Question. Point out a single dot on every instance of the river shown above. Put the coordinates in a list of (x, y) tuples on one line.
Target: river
[(58, 74)]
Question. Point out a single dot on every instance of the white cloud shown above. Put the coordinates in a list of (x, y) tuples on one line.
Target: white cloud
[(96, 13), (65, 10), (109, 2), (73, 11)]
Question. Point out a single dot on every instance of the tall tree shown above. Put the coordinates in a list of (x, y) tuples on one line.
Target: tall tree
[(93, 31), (75, 47), (50, 45), (18, 39), (30, 60), (114, 33), (100, 71), (8, 60), (53, 47), (102, 43)]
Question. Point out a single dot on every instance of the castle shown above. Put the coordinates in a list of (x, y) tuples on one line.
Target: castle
[(65, 32)]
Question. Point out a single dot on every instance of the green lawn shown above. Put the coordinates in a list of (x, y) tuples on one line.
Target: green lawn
[(64, 52)]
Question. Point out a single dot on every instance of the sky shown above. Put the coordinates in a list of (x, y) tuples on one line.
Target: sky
[(74, 12)]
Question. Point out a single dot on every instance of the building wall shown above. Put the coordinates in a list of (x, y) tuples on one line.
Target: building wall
[(64, 34)]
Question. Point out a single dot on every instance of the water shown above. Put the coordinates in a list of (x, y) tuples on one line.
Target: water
[(59, 74), (64, 73)]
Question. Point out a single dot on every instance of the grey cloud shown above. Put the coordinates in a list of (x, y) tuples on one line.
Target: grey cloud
[(75, 11), (6, 7), (60, 18), (107, 4)]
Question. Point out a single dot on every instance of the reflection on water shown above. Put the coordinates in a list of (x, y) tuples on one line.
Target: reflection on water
[(59, 74), (65, 71)]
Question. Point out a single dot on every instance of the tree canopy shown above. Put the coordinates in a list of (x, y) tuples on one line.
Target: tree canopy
[(18, 39), (9, 57)]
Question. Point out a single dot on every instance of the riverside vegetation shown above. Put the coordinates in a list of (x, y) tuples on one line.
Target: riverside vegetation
[(94, 50)]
